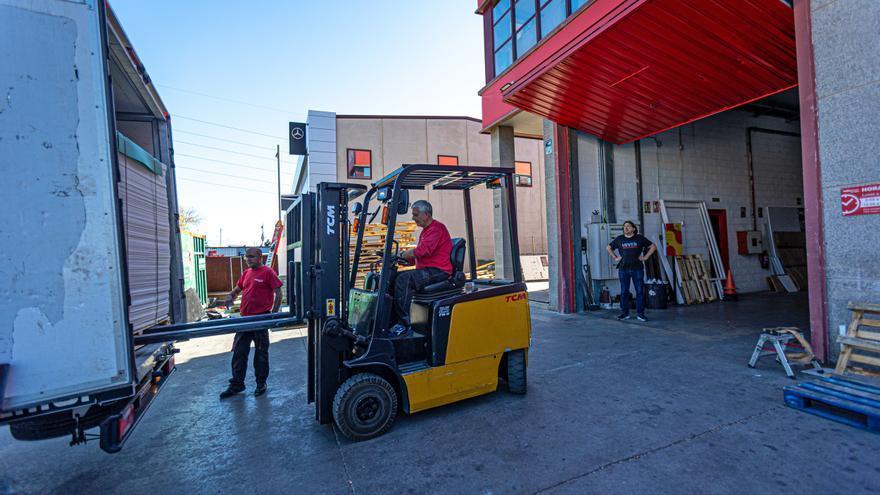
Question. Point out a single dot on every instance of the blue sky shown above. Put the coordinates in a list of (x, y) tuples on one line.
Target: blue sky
[(258, 65)]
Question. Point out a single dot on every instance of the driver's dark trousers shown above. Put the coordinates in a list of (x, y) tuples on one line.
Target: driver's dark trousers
[(408, 283)]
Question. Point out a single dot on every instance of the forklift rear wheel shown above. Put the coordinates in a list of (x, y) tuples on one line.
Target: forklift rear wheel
[(365, 406), (516, 371)]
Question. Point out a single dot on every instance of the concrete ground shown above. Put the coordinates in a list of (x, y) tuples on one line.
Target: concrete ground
[(613, 407)]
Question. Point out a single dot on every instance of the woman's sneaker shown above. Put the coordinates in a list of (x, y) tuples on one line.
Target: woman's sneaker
[(622, 317), (641, 318)]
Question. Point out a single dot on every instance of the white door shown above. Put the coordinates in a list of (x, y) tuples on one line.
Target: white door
[(63, 329)]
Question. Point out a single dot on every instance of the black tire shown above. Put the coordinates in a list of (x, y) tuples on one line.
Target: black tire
[(365, 406), (516, 371), (58, 424)]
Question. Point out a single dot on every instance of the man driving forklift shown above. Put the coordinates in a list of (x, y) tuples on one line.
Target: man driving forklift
[(431, 256)]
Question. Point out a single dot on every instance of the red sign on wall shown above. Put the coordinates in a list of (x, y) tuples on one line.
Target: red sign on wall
[(860, 200)]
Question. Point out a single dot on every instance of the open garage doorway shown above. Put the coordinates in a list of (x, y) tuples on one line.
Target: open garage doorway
[(743, 167)]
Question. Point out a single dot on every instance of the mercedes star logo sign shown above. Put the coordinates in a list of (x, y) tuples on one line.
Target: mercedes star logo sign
[(297, 133)]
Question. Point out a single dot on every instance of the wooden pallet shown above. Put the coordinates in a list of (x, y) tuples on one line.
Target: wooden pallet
[(860, 345), (373, 244), (838, 398), (696, 285)]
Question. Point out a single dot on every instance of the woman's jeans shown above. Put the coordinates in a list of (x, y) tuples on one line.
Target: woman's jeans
[(638, 280)]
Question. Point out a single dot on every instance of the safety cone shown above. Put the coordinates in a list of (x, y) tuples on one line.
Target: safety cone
[(730, 288)]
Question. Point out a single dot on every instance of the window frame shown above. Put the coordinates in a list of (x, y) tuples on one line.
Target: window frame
[(511, 12), (457, 163), (516, 176), (348, 163)]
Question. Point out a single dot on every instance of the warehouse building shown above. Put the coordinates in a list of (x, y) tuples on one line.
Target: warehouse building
[(750, 125), (365, 148)]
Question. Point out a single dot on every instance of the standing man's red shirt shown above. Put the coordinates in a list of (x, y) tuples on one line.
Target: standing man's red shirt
[(434, 248), (258, 290)]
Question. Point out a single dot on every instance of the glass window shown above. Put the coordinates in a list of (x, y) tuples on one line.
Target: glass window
[(502, 30), (501, 7), (523, 174), (360, 164), (447, 160), (503, 57), (552, 14), (526, 37), (523, 10), (576, 4)]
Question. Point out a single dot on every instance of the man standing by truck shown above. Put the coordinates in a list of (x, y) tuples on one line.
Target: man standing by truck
[(260, 291)]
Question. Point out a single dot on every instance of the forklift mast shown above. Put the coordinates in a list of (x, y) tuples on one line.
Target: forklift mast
[(318, 282)]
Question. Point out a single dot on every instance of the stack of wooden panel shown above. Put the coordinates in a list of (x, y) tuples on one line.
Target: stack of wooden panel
[(696, 285), (792, 251), (374, 242), (146, 222)]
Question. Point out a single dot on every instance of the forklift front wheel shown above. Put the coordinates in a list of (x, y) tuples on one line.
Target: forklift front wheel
[(364, 406)]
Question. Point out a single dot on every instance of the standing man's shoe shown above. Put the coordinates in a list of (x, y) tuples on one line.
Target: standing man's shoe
[(261, 389), (641, 318), (622, 317), (230, 391)]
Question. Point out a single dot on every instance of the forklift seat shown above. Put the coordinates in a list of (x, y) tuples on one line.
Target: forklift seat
[(455, 282)]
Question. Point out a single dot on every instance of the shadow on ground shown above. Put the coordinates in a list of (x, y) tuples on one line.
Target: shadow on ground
[(612, 407)]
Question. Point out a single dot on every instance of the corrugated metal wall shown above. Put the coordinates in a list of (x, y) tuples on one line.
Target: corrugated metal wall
[(147, 237)]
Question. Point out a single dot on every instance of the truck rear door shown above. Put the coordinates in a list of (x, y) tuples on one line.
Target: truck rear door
[(64, 335)]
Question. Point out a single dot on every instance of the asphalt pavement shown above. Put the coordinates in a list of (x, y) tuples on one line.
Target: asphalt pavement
[(667, 406)]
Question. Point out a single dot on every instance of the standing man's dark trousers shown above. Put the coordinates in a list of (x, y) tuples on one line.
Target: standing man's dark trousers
[(241, 347), (408, 283)]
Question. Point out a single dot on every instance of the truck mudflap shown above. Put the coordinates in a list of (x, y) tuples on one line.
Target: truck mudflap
[(117, 428)]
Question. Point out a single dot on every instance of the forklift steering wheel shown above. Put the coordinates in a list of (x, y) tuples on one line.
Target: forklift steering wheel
[(400, 260)]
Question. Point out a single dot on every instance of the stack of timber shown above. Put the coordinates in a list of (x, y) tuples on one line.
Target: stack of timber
[(374, 242), (696, 285), (486, 270)]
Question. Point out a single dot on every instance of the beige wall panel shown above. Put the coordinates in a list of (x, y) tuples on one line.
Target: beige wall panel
[(395, 141)]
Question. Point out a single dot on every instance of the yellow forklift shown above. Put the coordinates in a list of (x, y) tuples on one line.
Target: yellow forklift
[(467, 333)]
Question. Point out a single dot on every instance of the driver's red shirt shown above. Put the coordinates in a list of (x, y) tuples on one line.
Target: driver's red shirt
[(434, 248)]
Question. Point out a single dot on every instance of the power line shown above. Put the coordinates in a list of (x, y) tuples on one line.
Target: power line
[(212, 172), (224, 185), (227, 126), (222, 98), (224, 140), (241, 165), (225, 150)]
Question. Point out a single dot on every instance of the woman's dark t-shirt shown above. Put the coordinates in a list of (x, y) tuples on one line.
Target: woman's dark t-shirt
[(630, 248)]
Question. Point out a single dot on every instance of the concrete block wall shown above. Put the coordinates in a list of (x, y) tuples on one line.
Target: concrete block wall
[(705, 161), (845, 47)]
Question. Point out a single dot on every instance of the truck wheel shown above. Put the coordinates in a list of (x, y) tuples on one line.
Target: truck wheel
[(364, 406), (516, 371), (57, 424)]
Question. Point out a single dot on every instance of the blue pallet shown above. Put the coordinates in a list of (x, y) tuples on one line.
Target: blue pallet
[(838, 398)]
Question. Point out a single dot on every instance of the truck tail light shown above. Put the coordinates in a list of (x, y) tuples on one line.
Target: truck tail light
[(126, 419)]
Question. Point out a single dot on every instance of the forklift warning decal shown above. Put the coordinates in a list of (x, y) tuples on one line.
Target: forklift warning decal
[(515, 297), (331, 307)]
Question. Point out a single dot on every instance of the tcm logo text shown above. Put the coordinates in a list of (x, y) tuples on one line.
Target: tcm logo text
[(331, 219), (516, 297)]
